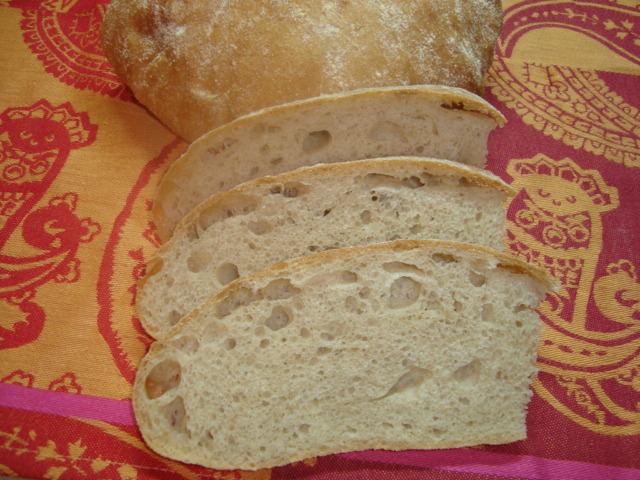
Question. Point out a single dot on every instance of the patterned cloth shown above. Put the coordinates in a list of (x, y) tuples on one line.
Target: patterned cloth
[(79, 164)]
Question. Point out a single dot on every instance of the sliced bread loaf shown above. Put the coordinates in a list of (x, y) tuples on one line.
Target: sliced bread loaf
[(400, 345), (431, 121), (272, 219)]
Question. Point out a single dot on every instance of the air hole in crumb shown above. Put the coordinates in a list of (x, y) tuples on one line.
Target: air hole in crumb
[(401, 267), (431, 180), (222, 145), (411, 379), (453, 106), (259, 227), (464, 400), (404, 291), (164, 377), (229, 343), (365, 217), (227, 273), (315, 141), (174, 317), (465, 182), (264, 343), (477, 279), (468, 373), (304, 428), (521, 308), (327, 336), (443, 258), (347, 276), (175, 415), (304, 333), (198, 261), (519, 324), (413, 182), (276, 161), (326, 212), (290, 189), (407, 426), (387, 425), (280, 289), (278, 319), (323, 351), (487, 312), (511, 268)]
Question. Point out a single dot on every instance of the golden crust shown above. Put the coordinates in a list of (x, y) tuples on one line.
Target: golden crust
[(198, 64)]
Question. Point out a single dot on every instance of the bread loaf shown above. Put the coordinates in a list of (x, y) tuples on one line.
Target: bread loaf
[(312, 209), (198, 64), (401, 345), (429, 121)]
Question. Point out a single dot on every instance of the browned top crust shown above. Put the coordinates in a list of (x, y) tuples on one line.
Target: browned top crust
[(197, 64)]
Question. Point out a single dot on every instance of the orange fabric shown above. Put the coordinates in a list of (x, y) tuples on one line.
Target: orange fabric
[(79, 164)]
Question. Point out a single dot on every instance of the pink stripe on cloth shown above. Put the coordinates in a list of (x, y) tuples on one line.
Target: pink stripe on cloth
[(455, 460), (497, 464), (67, 404)]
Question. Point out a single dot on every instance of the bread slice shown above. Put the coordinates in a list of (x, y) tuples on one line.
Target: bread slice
[(429, 121), (400, 345), (312, 209)]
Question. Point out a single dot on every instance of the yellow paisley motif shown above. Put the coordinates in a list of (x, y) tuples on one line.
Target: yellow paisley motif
[(560, 203), (560, 95)]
